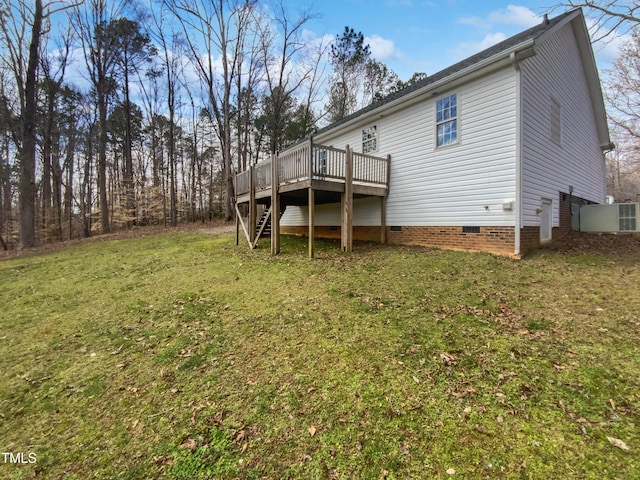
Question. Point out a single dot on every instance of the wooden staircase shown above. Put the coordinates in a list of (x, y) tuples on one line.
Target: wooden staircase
[(263, 228)]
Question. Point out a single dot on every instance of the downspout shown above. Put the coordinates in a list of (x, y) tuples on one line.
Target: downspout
[(518, 210)]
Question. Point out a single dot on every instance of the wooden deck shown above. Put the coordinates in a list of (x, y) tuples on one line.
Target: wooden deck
[(306, 175)]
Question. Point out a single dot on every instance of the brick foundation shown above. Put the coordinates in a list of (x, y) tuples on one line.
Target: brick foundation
[(530, 239), (500, 240)]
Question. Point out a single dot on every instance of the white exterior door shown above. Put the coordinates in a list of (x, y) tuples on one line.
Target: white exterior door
[(546, 221)]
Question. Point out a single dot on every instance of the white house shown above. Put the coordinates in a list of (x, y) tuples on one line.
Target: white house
[(493, 153)]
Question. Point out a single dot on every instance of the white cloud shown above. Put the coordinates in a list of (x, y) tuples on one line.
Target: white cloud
[(514, 15), (474, 22), (511, 15), (383, 49), (467, 49)]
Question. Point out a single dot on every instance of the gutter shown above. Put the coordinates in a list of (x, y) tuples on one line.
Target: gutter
[(518, 213)]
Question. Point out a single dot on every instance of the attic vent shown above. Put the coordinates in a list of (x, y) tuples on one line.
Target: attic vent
[(627, 217), (470, 229)]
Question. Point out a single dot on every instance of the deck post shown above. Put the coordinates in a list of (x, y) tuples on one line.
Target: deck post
[(383, 206), (383, 220), (275, 206), (237, 227), (312, 209), (346, 230), (253, 206)]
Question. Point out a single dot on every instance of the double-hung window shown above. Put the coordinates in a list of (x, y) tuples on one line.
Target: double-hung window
[(370, 139), (447, 120)]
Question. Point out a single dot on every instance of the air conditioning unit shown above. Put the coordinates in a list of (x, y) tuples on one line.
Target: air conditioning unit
[(616, 218)]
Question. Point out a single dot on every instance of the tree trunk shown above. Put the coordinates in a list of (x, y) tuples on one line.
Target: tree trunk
[(28, 148), (127, 176), (47, 163), (102, 163)]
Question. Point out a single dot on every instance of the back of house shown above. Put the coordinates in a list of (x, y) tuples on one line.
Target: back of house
[(489, 154)]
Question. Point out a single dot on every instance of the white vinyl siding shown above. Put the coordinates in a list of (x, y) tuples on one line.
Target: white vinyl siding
[(549, 167), (430, 186), (556, 122)]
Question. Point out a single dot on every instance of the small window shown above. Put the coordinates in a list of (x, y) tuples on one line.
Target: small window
[(627, 217), (370, 139), (447, 120), (556, 122), (320, 167), (470, 229)]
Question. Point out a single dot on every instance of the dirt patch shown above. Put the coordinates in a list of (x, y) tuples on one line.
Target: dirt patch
[(605, 244), (218, 229)]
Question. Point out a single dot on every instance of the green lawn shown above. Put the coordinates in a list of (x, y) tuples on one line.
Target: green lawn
[(183, 356)]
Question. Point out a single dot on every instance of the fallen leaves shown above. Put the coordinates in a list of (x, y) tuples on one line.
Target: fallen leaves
[(312, 430), (189, 444), (616, 442)]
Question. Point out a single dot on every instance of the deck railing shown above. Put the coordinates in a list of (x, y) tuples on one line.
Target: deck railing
[(324, 163), (294, 164)]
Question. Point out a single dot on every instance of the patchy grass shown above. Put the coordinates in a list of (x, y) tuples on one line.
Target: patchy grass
[(183, 356)]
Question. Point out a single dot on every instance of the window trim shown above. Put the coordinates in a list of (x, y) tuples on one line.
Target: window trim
[(451, 119), (375, 138)]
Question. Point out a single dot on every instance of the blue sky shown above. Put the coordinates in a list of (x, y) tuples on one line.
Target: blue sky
[(429, 35)]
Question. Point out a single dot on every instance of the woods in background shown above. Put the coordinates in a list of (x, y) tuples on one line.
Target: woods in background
[(122, 113)]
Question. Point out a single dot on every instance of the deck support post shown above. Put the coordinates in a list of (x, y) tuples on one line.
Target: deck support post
[(383, 220), (312, 210), (383, 206), (237, 227), (275, 207), (346, 229), (253, 206)]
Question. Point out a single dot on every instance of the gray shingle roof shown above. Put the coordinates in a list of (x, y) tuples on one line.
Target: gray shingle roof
[(530, 34)]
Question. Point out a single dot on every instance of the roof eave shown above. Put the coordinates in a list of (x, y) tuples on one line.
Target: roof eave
[(502, 59), (593, 81)]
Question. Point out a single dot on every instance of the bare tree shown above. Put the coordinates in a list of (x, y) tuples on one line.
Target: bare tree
[(282, 50), (171, 49), (218, 27), (610, 15), (102, 54), (622, 92), (53, 67), (136, 50), (21, 28)]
